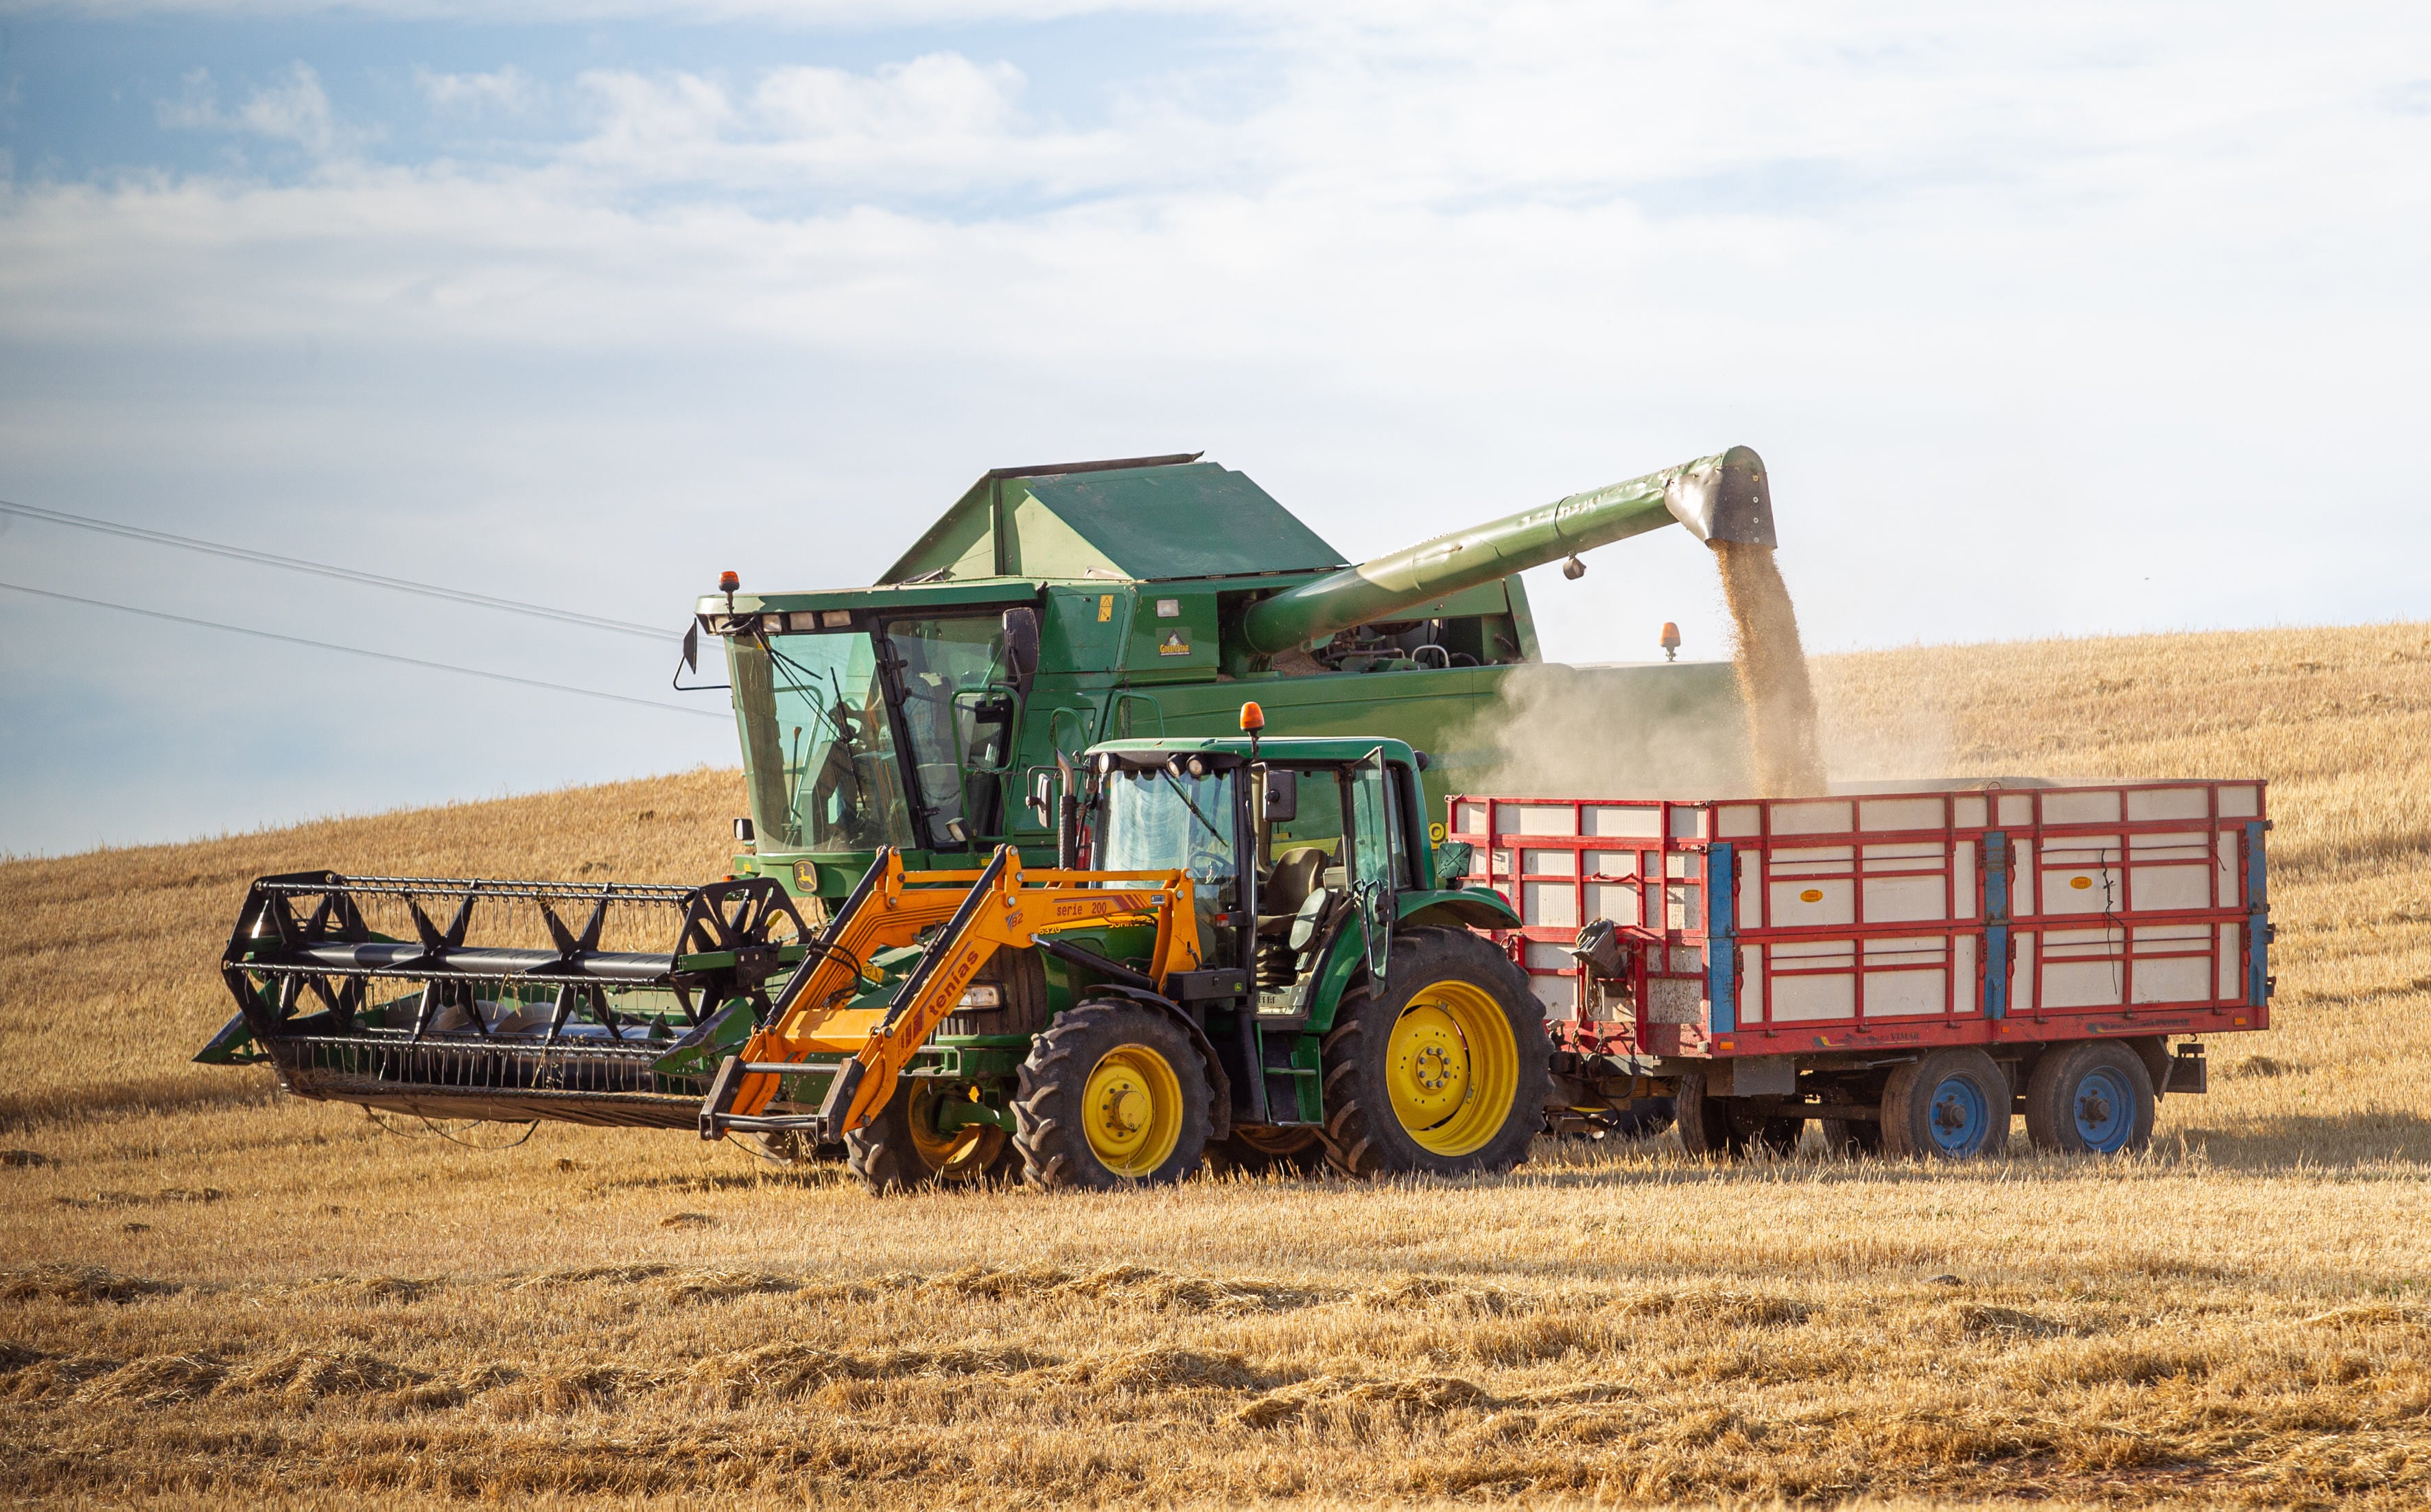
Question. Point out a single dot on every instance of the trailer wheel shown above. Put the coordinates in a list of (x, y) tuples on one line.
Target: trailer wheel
[(1444, 1070), (2090, 1098), (1113, 1095), (1254, 1151), (1851, 1138), (1718, 1126), (903, 1149), (1954, 1104)]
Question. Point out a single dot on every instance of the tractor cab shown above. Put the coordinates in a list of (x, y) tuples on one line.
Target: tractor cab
[(1285, 841)]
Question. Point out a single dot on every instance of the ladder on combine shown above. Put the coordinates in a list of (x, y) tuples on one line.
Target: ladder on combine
[(812, 1016)]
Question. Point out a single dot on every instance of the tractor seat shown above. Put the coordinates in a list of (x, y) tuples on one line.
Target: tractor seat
[(1288, 887)]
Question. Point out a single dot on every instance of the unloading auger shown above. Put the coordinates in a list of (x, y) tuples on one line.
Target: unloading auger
[(532, 1001)]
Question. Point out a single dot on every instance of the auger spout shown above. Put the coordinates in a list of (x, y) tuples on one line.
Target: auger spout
[(1718, 498)]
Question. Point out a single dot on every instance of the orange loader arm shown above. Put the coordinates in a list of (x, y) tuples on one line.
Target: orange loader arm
[(981, 912)]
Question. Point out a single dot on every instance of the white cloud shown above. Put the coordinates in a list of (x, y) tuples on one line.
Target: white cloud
[(506, 89), (296, 110), (936, 125)]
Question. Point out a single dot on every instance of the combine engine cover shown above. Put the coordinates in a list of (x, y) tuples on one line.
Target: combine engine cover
[(532, 1001)]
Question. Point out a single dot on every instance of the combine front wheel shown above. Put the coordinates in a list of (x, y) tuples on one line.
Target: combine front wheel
[(1445, 1070), (1114, 1094), (908, 1143), (1722, 1126), (1255, 1151)]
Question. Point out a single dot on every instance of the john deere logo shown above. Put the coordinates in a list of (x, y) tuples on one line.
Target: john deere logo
[(1173, 643)]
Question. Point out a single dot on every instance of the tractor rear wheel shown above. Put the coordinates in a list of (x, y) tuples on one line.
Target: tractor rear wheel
[(903, 1147), (1445, 1069), (1113, 1095)]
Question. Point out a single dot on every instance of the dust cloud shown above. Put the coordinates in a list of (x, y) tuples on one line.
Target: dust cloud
[(1606, 732), (1788, 756), (1666, 730)]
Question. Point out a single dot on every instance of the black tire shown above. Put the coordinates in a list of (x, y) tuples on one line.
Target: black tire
[(1052, 1110), (1852, 1139), (2092, 1098), (1257, 1152), (1643, 1119), (1716, 1126), (901, 1150), (1954, 1104), (1459, 1015)]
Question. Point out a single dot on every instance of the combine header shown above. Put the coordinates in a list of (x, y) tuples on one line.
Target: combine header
[(533, 1000)]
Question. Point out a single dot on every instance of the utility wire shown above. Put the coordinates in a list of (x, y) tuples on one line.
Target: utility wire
[(357, 650), (458, 595)]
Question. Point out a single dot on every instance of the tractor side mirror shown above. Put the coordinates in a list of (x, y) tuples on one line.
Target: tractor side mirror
[(1021, 647), (1278, 795)]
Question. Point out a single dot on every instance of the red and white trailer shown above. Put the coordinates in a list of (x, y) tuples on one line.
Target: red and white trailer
[(1909, 967)]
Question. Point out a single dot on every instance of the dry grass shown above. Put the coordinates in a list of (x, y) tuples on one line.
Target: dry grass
[(214, 1294)]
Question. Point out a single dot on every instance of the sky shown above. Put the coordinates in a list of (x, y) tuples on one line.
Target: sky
[(2063, 319)]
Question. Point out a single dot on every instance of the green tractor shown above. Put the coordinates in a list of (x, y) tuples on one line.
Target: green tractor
[(1252, 953)]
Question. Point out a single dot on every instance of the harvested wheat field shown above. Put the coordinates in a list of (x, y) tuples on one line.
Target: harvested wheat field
[(212, 1293)]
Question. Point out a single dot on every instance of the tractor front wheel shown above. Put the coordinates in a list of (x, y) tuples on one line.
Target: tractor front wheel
[(1113, 1095), (1445, 1069)]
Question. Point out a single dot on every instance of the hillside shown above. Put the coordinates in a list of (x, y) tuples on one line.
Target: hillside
[(220, 1290)]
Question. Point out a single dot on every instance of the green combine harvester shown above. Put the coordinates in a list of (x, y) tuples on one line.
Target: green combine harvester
[(1053, 680)]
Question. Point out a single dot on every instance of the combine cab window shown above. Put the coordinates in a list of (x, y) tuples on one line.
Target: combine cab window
[(957, 713), (820, 748)]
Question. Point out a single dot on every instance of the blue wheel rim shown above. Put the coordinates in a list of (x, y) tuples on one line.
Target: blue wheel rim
[(2104, 1111), (1959, 1115)]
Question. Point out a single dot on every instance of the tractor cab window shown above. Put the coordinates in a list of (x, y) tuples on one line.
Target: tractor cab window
[(818, 749), (1375, 834), (1154, 820), (957, 714)]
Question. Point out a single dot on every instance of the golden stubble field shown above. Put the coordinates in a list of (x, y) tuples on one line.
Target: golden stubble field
[(209, 1293)]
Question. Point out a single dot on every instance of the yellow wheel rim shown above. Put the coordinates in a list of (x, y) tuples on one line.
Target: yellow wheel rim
[(954, 1154), (1133, 1111), (1453, 1067)]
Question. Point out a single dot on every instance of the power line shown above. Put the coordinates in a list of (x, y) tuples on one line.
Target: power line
[(357, 650), (266, 559)]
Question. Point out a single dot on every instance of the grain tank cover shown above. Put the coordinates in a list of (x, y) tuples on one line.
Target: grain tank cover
[(1144, 518)]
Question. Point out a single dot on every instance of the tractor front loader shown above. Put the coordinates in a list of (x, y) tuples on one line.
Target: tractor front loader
[(828, 1011)]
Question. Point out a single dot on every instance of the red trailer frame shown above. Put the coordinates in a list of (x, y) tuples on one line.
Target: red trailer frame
[(1878, 920)]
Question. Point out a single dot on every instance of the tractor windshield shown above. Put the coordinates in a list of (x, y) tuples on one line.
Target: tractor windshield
[(817, 743), (1155, 821)]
